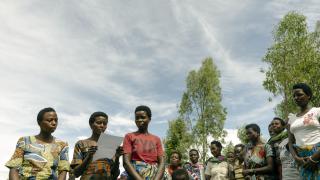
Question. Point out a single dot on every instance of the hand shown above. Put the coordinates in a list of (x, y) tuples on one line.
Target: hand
[(246, 172), (119, 151), (92, 150), (310, 164), (300, 161)]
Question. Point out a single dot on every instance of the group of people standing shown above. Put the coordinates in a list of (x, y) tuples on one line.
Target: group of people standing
[(291, 153)]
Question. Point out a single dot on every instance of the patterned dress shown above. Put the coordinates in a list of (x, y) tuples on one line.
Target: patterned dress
[(217, 168), (256, 157), (196, 171), (38, 160), (99, 169)]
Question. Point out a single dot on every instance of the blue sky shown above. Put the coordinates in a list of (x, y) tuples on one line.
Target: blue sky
[(84, 56)]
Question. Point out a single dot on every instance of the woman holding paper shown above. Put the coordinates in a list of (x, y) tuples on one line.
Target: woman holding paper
[(82, 164), (143, 153)]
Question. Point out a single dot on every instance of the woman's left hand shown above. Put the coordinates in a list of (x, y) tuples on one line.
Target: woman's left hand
[(247, 172), (309, 164), (119, 151)]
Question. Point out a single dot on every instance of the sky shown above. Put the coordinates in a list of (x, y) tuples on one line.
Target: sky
[(82, 56)]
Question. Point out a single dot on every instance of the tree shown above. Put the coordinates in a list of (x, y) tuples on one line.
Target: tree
[(201, 107), (229, 148), (293, 57), (177, 139), (242, 134)]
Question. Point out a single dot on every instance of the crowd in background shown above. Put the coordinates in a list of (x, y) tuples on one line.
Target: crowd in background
[(291, 153)]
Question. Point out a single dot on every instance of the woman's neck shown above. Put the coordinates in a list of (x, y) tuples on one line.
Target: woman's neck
[(143, 131), (174, 167), (94, 137), (45, 137), (304, 110), (256, 142)]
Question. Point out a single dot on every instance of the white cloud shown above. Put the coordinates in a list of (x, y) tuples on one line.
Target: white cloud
[(81, 56)]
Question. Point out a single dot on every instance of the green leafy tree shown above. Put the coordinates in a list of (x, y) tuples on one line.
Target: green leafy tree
[(242, 135), (178, 138), (293, 57), (201, 107), (229, 148)]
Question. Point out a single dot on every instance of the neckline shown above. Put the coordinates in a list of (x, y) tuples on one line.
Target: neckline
[(304, 113)]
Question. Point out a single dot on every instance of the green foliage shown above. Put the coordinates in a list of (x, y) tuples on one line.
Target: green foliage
[(177, 139), (201, 107), (242, 134), (228, 148), (292, 58)]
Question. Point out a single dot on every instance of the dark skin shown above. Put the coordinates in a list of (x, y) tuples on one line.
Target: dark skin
[(194, 156), (48, 125), (97, 127), (277, 127), (302, 100), (254, 138), (216, 152), (142, 121), (175, 160), (271, 131)]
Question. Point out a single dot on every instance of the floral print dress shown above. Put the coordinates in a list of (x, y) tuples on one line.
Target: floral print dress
[(256, 157)]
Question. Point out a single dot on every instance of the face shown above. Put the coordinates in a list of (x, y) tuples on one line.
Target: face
[(194, 156), (238, 152), (300, 97), (252, 135), (277, 126), (271, 130), (230, 157), (174, 159), (142, 120), (99, 125), (215, 151), (49, 122)]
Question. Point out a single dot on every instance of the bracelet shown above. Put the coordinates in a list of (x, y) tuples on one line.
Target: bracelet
[(310, 158)]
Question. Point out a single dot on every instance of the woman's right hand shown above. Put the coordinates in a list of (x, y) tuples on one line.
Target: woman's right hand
[(299, 160), (92, 150)]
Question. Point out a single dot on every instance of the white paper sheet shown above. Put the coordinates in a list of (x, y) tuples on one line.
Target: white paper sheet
[(107, 145)]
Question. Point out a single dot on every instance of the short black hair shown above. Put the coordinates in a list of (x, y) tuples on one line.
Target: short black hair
[(239, 145), (254, 127), (217, 143), (145, 109), (42, 112), (176, 152), (193, 150), (305, 87), (180, 174), (283, 123), (97, 114)]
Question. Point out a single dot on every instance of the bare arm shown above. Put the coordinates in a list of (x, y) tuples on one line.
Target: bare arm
[(62, 175), (262, 170), (14, 174), (298, 159), (160, 171), (208, 177), (79, 169), (129, 168), (115, 171)]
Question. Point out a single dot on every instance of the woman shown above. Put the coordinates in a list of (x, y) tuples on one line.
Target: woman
[(143, 153), (304, 131), (41, 156), (258, 158), (194, 168), (175, 163), (279, 134), (82, 164), (239, 162), (217, 167)]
